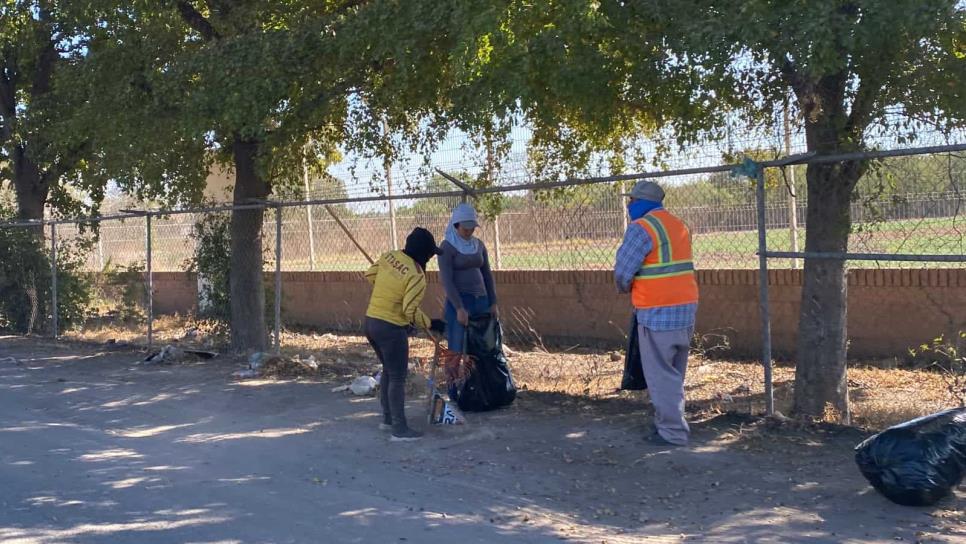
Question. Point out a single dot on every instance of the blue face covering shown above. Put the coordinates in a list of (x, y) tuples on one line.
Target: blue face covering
[(639, 208)]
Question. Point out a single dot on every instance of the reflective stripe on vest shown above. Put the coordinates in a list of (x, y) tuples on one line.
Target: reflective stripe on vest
[(665, 270), (666, 277)]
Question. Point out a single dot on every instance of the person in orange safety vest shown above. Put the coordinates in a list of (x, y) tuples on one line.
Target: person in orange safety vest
[(654, 264)]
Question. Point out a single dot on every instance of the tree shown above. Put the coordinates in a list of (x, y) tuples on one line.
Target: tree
[(39, 42), (850, 65), (593, 76), (259, 86)]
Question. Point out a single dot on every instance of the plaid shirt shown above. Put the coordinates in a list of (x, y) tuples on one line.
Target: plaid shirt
[(630, 256)]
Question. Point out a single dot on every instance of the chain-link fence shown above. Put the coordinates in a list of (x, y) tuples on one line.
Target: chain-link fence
[(134, 276)]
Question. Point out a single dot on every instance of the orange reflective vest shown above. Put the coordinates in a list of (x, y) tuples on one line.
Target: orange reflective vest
[(666, 278)]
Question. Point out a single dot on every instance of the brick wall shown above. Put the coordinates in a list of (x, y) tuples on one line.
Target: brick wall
[(889, 310), (175, 292)]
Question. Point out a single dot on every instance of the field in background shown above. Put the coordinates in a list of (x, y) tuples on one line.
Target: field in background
[(722, 249)]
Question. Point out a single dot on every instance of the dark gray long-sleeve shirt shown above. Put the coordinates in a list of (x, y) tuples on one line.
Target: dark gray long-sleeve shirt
[(465, 274)]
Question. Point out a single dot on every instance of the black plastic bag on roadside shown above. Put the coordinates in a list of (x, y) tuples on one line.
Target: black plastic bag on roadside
[(918, 462), (633, 379), (490, 385)]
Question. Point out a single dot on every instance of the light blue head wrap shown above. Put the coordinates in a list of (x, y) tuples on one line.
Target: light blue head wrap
[(463, 212)]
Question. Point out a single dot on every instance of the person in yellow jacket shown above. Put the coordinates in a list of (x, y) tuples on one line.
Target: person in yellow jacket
[(399, 283)]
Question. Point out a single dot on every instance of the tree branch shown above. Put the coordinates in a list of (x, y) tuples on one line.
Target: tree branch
[(345, 89), (863, 105), (8, 84), (46, 58), (800, 86), (194, 19), (66, 163)]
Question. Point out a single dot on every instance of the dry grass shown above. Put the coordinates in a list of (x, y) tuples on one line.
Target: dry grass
[(167, 329), (879, 397)]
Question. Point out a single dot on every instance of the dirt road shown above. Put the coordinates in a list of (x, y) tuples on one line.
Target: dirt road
[(97, 449)]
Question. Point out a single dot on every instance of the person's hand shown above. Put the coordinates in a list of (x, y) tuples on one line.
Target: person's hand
[(463, 317), (495, 311), (438, 326)]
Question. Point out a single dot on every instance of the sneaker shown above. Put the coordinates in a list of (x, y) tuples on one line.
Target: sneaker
[(405, 435)]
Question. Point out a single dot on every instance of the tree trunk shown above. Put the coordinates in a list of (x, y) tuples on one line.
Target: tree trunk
[(820, 372), (248, 331), (29, 186)]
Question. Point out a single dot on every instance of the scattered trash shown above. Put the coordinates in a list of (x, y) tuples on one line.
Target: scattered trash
[(445, 413), (311, 362), (167, 355), (191, 334), (778, 416), (276, 366), (918, 462), (201, 354), (363, 386), (257, 360), (170, 354), (245, 374)]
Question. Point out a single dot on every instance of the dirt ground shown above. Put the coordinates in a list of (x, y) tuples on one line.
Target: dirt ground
[(96, 448)]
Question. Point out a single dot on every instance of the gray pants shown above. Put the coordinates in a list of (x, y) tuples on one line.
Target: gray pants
[(391, 344), (664, 356)]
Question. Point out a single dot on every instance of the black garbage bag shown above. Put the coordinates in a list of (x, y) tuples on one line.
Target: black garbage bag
[(918, 462), (633, 379), (490, 385)]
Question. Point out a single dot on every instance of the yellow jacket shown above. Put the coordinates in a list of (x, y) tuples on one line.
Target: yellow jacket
[(398, 288)]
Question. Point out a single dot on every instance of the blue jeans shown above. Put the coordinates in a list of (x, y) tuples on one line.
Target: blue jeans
[(474, 305)]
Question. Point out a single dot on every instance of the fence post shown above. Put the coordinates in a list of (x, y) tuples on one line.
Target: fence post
[(148, 255), (792, 195), (278, 279), (53, 276), (621, 210), (496, 241), (763, 291), (308, 215), (393, 236)]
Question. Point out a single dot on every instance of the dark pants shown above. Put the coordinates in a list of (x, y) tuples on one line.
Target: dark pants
[(391, 344)]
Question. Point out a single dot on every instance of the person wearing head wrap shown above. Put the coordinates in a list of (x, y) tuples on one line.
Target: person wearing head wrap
[(464, 270), (399, 283)]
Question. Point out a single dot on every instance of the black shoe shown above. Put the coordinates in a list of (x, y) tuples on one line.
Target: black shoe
[(405, 435), (655, 439)]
